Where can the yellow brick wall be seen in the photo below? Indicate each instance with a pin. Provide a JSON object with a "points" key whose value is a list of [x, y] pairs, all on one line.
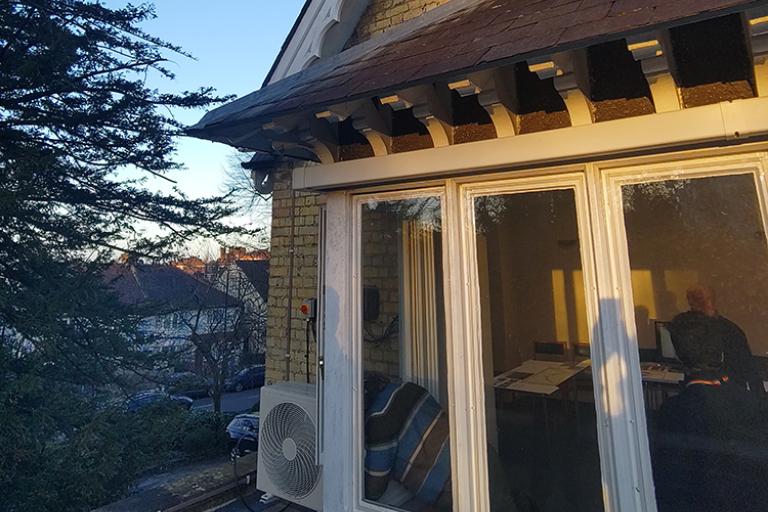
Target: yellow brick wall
{"points": [[380, 269], [381, 15], [304, 279]]}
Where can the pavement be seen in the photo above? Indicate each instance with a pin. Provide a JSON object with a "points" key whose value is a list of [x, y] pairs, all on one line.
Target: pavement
{"points": [[231, 402]]}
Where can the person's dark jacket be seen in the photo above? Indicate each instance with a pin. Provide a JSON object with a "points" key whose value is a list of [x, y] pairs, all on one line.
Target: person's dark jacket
{"points": [[713, 346]]}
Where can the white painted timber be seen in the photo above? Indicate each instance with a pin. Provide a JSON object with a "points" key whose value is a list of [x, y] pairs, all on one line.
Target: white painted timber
{"points": [[338, 383], [649, 50], [432, 110], [368, 121], [493, 95], [569, 73], [710, 124], [322, 32]]}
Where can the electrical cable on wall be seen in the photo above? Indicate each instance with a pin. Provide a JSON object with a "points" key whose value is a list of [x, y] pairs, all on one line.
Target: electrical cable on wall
{"points": [[391, 330], [309, 310], [308, 331], [289, 306]]}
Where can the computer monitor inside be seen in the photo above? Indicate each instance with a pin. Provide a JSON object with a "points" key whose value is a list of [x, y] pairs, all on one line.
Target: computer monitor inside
{"points": [[664, 344]]}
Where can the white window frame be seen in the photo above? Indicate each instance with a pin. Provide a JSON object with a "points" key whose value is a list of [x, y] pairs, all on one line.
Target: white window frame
{"points": [[617, 277], [358, 427], [623, 440], [566, 180]]}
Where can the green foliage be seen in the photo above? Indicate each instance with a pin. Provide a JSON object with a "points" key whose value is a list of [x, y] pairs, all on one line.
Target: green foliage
{"points": [[59, 450], [203, 434], [75, 113], [63, 453]]}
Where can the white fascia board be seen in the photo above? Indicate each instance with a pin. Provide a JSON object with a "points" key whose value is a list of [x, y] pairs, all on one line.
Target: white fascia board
{"points": [[721, 122], [308, 42]]}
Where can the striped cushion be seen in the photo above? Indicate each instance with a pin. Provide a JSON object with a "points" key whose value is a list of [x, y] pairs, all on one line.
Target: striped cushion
{"points": [[407, 440]]}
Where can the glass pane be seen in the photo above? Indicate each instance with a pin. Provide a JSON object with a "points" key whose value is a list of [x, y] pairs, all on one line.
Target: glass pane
{"points": [[699, 267], [407, 450], [540, 407]]}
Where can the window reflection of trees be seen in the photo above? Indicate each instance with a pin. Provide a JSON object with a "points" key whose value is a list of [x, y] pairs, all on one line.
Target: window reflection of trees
{"points": [[425, 210], [490, 211]]}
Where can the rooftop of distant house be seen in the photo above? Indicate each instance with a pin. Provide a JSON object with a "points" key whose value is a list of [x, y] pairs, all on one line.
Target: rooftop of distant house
{"points": [[257, 272], [163, 287]]}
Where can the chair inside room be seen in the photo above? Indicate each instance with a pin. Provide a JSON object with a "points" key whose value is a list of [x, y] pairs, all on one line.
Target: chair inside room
{"points": [[556, 351]]}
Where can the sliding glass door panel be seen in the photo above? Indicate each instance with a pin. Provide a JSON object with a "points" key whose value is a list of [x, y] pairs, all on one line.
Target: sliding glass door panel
{"points": [[696, 259], [406, 429], [536, 319]]}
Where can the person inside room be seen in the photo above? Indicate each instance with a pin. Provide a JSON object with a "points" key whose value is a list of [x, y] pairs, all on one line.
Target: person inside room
{"points": [[712, 347], [712, 438]]}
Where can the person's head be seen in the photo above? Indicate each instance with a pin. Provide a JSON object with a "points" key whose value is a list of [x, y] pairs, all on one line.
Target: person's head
{"points": [[702, 299]]}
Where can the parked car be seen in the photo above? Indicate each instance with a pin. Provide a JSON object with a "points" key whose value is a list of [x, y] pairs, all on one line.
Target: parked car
{"points": [[247, 378], [156, 398], [243, 432], [188, 384]]}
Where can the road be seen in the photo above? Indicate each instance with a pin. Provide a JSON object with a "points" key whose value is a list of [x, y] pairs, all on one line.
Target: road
{"points": [[231, 402]]}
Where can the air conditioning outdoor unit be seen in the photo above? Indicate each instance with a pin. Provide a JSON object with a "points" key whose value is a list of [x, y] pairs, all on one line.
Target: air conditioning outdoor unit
{"points": [[287, 465]]}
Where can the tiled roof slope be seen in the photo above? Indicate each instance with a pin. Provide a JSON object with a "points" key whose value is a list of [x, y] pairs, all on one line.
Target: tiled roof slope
{"points": [[459, 36], [163, 287], [257, 272]]}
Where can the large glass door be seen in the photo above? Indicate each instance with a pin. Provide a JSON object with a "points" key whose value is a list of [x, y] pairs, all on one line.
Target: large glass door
{"points": [[530, 258], [585, 341], [692, 261]]}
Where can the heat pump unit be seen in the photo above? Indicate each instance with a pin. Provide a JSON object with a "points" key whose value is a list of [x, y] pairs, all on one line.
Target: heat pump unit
{"points": [[288, 465]]}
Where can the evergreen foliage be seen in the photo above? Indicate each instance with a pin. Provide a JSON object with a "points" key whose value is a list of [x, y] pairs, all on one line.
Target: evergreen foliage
{"points": [[76, 117]]}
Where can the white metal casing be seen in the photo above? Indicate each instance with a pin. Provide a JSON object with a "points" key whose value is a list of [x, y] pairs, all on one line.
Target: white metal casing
{"points": [[287, 466]]}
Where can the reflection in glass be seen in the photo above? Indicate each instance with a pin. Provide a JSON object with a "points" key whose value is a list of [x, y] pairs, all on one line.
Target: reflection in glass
{"points": [[407, 450], [540, 409], [699, 267]]}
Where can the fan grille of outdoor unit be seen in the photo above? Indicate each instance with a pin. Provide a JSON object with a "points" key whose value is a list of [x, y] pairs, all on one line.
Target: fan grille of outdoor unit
{"points": [[288, 450]]}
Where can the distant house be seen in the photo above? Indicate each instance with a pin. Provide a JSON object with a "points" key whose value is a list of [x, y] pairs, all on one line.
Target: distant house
{"points": [[247, 281], [241, 274], [175, 305]]}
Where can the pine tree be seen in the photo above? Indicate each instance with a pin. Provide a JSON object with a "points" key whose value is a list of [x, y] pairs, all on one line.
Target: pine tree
{"points": [[75, 112]]}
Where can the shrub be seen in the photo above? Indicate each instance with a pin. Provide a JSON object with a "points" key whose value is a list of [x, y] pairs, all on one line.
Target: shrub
{"points": [[203, 434]]}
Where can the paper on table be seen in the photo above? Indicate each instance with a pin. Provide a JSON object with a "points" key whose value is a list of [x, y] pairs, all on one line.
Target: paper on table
{"points": [[551, 376], [539, 389], [507, 378]]}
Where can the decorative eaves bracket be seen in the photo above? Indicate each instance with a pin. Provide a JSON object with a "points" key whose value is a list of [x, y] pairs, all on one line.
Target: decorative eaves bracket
{"points": [[304, 132], [494, 94], [570, 79], [317, 135], [652, 51], [429, 108], [366, 119]]}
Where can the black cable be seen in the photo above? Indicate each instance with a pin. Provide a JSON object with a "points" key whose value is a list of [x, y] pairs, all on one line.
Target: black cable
{"points": [[235, 456], [306, 354], [391, 330]]}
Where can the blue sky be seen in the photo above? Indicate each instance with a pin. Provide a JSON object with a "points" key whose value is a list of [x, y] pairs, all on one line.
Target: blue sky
{"points": [[234, 43]]}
